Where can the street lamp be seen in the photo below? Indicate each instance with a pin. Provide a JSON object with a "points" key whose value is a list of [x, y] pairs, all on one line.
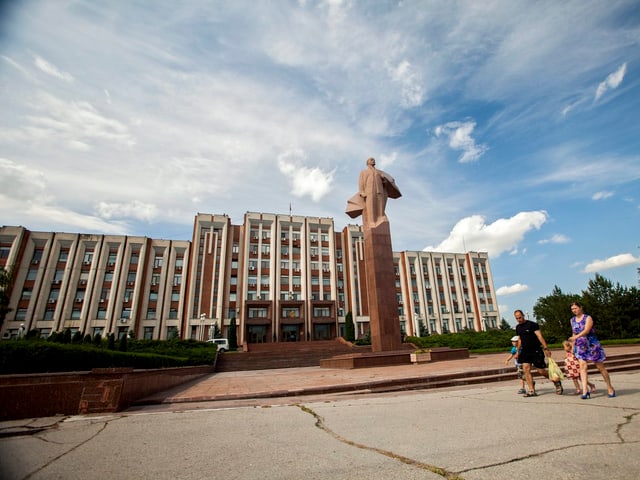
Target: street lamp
{"points": [[203, 317]]}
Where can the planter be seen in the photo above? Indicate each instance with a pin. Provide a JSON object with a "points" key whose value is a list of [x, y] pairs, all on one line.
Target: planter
{"points": [[420, 357]]}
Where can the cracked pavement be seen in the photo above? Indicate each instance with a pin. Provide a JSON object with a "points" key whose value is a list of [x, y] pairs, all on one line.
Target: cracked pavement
{"points": [[472, 433]]}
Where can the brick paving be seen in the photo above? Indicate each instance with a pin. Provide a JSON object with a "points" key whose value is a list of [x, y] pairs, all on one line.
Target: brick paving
{"points": [[289, 382]]}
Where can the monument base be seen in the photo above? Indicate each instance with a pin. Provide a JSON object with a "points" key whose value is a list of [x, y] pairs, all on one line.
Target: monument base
{"points": [[367, 360]]}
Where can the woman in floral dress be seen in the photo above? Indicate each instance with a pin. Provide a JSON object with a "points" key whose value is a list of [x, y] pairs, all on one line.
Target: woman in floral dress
{"points": [[587, 348]]}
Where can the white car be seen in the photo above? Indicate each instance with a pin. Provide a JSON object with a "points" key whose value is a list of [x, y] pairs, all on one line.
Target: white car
{"points": [[222, 343]]}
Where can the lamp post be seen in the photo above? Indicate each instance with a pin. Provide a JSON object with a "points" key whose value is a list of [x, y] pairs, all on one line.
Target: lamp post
{"points": [[203, 317]]}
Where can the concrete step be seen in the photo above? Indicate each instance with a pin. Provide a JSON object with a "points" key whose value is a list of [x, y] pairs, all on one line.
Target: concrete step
{"points": [[284, 355]]}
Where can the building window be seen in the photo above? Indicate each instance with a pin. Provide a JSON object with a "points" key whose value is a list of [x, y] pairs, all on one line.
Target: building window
{"points": [[102, 313], [291, 312], [151, 313], [157, 261], [173, 313], [148, 333], [321, 312], [21, 314], [75, 314], [258, 312], [48, 314], [37, 256], [172, 332]]}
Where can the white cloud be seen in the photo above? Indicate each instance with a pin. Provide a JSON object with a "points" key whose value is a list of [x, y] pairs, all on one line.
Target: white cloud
{"points": [[52, 70], [556, 238], [459, 138], [305, 181], [601, 195], [612, 81], [135, 209], [616, 261], [20, 182], [512, 289], [473, 234], [409, 78], [72, 123]]}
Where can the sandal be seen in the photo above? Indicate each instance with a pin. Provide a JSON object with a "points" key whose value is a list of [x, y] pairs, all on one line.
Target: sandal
{"points": [[559, 389], [530, 394]]}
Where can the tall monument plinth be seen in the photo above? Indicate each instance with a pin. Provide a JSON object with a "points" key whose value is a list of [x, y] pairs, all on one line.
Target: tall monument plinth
{"points": [[374, 187], [384, 323]]}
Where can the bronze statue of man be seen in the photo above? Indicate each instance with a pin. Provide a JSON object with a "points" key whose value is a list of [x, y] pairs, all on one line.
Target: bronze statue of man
{"points": [[374, 187]]}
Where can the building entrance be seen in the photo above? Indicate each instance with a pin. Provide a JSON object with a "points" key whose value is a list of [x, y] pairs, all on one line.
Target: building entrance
{"points": [[257, 333], [290, 333], [322, 331]]}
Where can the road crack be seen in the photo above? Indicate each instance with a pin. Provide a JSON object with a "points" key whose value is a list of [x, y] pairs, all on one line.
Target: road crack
{"points": [[401, 458]]}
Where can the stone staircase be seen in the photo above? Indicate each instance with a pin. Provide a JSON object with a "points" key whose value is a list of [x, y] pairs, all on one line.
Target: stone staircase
{"points": [[264, 356]]}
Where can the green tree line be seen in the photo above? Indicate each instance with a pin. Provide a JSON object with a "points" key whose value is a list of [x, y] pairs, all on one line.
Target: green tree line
{"points": [[615, 310]]}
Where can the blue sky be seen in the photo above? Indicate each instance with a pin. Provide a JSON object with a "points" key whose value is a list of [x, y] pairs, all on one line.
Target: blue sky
{"points": [[510, 126]]}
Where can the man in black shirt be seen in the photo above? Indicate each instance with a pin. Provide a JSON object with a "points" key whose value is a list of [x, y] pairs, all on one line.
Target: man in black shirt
{"points": [[532, 350]]}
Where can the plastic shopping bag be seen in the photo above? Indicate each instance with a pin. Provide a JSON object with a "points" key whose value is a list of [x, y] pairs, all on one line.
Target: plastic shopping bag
{"points": [[555, 373]]}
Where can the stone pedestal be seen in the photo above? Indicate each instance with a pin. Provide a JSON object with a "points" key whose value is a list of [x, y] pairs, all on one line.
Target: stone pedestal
{"points": [[381, 289]]}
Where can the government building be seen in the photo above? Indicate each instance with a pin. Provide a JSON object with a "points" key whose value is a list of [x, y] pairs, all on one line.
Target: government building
{"points": [[278, 278]]}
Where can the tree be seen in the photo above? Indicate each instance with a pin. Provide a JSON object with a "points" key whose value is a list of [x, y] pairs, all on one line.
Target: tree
{"points": [[122, 346], [233, 336], [6, 285], [614, 308], [423, 331], [217, 333], [349, 328], [553, 314], [504, 325]]}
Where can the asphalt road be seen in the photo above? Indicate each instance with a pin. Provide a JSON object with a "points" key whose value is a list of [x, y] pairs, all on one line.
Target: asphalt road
{"points": [[479, 432]]}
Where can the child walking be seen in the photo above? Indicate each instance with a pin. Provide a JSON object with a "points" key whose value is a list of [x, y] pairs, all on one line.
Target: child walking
{"points": [[572, 368], [512, 356]]}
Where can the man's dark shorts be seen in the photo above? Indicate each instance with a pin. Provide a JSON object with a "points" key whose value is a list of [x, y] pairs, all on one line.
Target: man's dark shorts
{"points": [[535, 358]]}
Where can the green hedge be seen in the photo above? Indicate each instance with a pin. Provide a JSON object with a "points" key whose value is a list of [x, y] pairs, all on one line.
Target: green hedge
{"points": [[41, 357], [496, 340], [486, 342]]}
